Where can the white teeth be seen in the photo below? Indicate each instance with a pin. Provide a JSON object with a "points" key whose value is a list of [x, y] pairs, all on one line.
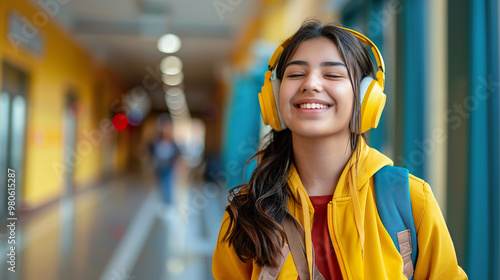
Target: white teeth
{"points": [[313, 106]]}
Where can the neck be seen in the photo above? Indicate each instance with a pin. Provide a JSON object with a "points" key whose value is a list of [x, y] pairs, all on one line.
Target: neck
{"points": [[320, 161]]}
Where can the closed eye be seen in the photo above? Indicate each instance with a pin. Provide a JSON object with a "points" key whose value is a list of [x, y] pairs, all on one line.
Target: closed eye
{"points": [[295, 75]]}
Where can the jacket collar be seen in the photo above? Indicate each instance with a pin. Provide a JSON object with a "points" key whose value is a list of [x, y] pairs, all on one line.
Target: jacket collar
{"points": [[369, 162]]}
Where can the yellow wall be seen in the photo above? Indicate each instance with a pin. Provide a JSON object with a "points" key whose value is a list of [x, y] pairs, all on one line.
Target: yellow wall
{"points": [[63, 65]]}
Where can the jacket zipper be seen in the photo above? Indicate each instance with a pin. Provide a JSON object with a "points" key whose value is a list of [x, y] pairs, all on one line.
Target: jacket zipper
{"points": [[334, 240]]}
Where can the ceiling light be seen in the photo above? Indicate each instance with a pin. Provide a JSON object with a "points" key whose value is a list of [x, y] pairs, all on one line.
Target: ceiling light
{"points": [[171, 65], [173, 80], [177, 99], [175, 91], [169, 43]]}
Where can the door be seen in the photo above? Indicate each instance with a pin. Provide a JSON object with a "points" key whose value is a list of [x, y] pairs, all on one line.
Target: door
{"points": [[13, 96]]}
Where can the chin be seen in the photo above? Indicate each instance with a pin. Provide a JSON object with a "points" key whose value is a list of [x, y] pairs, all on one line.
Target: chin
{"points": [[316, 130]]}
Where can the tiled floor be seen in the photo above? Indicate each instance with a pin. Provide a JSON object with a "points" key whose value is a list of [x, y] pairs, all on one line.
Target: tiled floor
{"points": [[120, 231]]}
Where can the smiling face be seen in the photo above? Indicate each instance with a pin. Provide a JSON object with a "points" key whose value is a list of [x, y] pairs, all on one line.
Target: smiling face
{"points": [[316, 95]]}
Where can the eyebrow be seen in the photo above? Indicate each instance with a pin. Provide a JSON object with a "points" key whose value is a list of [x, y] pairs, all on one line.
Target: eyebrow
{"points": [[323, 64]]}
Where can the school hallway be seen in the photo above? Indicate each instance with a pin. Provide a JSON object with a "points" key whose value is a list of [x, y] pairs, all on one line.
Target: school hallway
{"points": [[120, 230], [96, 96]]}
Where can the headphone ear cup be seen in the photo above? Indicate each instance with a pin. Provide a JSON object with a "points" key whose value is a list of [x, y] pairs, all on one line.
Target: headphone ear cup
{"points": [[267, 101], [276, 84], [372, 100], [363, 87]]}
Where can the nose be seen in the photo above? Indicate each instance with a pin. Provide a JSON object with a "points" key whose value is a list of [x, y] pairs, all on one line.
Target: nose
{"points": [[312, 83]]}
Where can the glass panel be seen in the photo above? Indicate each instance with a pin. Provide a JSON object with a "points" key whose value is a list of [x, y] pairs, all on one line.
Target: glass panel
{"points": [[4, 128], [17, 140], [4, 132], [18, 123]]}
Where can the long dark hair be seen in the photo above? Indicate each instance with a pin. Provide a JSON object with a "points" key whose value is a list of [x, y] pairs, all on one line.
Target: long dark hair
{"points": [[258, 207]]}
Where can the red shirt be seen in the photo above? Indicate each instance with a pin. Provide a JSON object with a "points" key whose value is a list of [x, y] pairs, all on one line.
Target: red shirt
{"points": [[324, 254]]}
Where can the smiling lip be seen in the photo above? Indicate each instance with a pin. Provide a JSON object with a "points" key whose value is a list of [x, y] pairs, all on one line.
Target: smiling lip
{"points": [[312, 105]]}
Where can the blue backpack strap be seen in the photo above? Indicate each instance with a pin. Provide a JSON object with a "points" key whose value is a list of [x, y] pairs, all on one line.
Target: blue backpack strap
{"points": [[392, 194]]}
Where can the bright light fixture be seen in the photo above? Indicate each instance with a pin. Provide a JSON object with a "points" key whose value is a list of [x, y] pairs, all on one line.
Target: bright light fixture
{"points": [[175, 91], [171, 65], [173, 80], [169, 43]]}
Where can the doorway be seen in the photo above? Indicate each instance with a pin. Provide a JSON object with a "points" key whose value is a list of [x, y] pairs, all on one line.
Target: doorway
{"points": [[13, 96]]}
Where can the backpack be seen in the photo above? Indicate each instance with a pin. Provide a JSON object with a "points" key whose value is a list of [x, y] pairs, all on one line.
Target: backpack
{"points": [[392, 196]]}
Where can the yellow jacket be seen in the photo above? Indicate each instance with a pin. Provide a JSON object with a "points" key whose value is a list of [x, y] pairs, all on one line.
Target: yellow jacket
{"points": [[380, 258]]}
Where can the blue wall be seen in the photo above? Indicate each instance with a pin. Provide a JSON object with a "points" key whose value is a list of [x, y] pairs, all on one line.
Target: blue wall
{"points": [[483, 238], [241, 129]]}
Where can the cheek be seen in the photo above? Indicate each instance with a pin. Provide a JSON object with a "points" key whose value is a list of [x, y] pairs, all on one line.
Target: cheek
{"points": [[344, 98], [285, 96], [343, 95]]}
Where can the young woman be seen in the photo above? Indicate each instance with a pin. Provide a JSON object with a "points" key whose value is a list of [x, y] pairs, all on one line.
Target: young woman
{"points": [[314, 181]]}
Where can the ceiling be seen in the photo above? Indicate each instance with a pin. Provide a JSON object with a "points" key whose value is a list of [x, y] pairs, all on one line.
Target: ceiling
{"points": [[124, 33]]}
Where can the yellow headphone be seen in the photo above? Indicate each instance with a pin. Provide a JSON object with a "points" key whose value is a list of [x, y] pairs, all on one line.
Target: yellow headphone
{"points": [[371, 91]]}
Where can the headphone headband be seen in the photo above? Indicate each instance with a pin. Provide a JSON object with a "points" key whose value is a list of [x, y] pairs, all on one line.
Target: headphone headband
{"points": [[371, 90], [378, 56]]}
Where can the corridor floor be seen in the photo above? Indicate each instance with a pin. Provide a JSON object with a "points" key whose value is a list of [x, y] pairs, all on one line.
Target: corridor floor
{"points": [[120, 230]]}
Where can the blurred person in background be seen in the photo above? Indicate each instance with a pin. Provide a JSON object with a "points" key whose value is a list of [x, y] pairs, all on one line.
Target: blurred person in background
{"points": [[314, 183], [164, 154]]}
